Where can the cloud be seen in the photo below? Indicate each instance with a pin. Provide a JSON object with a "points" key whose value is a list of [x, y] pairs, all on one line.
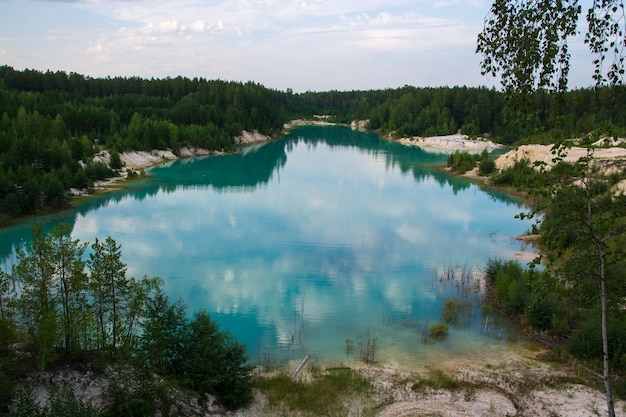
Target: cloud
{"points": [[300, 44]]}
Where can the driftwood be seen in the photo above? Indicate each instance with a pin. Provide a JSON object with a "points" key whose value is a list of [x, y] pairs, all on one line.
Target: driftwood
{"points": [[299, 368]]}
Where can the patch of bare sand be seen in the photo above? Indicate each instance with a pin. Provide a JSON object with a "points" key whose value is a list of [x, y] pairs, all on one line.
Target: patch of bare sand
{"points": [[142, 159], [518, 386], [247, 138], [610, 158], [448, 143], [305, 122], [515, 384]]}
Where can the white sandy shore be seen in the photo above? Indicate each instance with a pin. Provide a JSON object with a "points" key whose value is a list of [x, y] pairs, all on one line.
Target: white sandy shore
{"points": [[137, 160], [306, 122], [450, 143]]}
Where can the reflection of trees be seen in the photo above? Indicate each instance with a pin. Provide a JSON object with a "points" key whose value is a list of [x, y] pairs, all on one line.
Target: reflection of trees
{"points": [[19, 235], [254, 167]]}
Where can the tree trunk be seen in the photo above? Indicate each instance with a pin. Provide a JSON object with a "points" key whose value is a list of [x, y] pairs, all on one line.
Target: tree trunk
{"points": [[605, 339]]}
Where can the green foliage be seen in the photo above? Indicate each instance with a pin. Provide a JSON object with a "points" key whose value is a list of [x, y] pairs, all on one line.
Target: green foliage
{"points": [[462, 161], [213, 362], [109, 289], [520, 176], [7, 312], [486, 166], [137, 393], [161, 342], [586, 342], [526, 295], [438, 331], [524, 42], [583, 233], [325, 393], [541, 311], [68, 307], [114, 160], [7, 386], [24, 404], [457, 311], [61, 402], [437, 380], [45, 132]]}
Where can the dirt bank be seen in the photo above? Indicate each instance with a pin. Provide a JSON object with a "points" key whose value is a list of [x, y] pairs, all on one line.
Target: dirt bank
{"points": [[612, 159]]}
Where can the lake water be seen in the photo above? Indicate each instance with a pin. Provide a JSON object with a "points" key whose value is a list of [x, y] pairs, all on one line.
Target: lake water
{"points": [[297, 245]]}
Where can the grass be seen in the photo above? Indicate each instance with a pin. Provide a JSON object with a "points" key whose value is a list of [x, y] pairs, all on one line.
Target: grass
{"points": [[437, 380], [326, 393]]}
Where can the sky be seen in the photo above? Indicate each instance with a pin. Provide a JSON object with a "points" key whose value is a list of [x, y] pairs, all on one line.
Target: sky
{"points": [[303, 45]]}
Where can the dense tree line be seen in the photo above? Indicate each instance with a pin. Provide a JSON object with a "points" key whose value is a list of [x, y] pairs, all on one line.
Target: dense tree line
{"points": [[58, 304], [52, 124]]}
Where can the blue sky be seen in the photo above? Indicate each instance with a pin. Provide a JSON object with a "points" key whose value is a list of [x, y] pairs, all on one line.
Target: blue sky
{"points": [[306, 45]]}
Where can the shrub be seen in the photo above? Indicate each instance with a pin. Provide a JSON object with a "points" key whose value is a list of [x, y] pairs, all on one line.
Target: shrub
{"points": [[586, 343], [461, 161], [520, 175], [200, 355], [213, 362], [438, 330], [486, 167], [115, 162], [541, 311], [61, 402], [507, 284], [136, 393], [457, 311]]}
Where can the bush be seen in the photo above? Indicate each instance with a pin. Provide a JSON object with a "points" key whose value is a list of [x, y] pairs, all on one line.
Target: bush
{"points": [[486, 167], [438, 330], [197, 353], [541, 311], [586, 343], [136, 393], [510, 288], [61, 402], [461, 161], [457, 311], [115, 162], [7, 384], [546, 310], [213, 362], [521, 175]]}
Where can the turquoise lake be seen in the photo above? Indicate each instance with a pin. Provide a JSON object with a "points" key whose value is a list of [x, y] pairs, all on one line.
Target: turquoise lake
{"points": [[299, 244]]}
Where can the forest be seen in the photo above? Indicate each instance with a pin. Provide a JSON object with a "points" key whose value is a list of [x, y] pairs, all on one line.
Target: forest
{"points": [[53, 123], [86, 311]]}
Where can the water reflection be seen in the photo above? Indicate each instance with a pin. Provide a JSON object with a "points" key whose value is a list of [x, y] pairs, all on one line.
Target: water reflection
{"points": [[299, 244]]}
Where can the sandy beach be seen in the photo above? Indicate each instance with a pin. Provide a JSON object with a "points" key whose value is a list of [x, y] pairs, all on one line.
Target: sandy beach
{"points": [[450, 143]]}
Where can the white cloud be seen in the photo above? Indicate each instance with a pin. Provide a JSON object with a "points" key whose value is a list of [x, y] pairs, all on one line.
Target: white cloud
{"points": [[169, 26], [300, 44]]}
